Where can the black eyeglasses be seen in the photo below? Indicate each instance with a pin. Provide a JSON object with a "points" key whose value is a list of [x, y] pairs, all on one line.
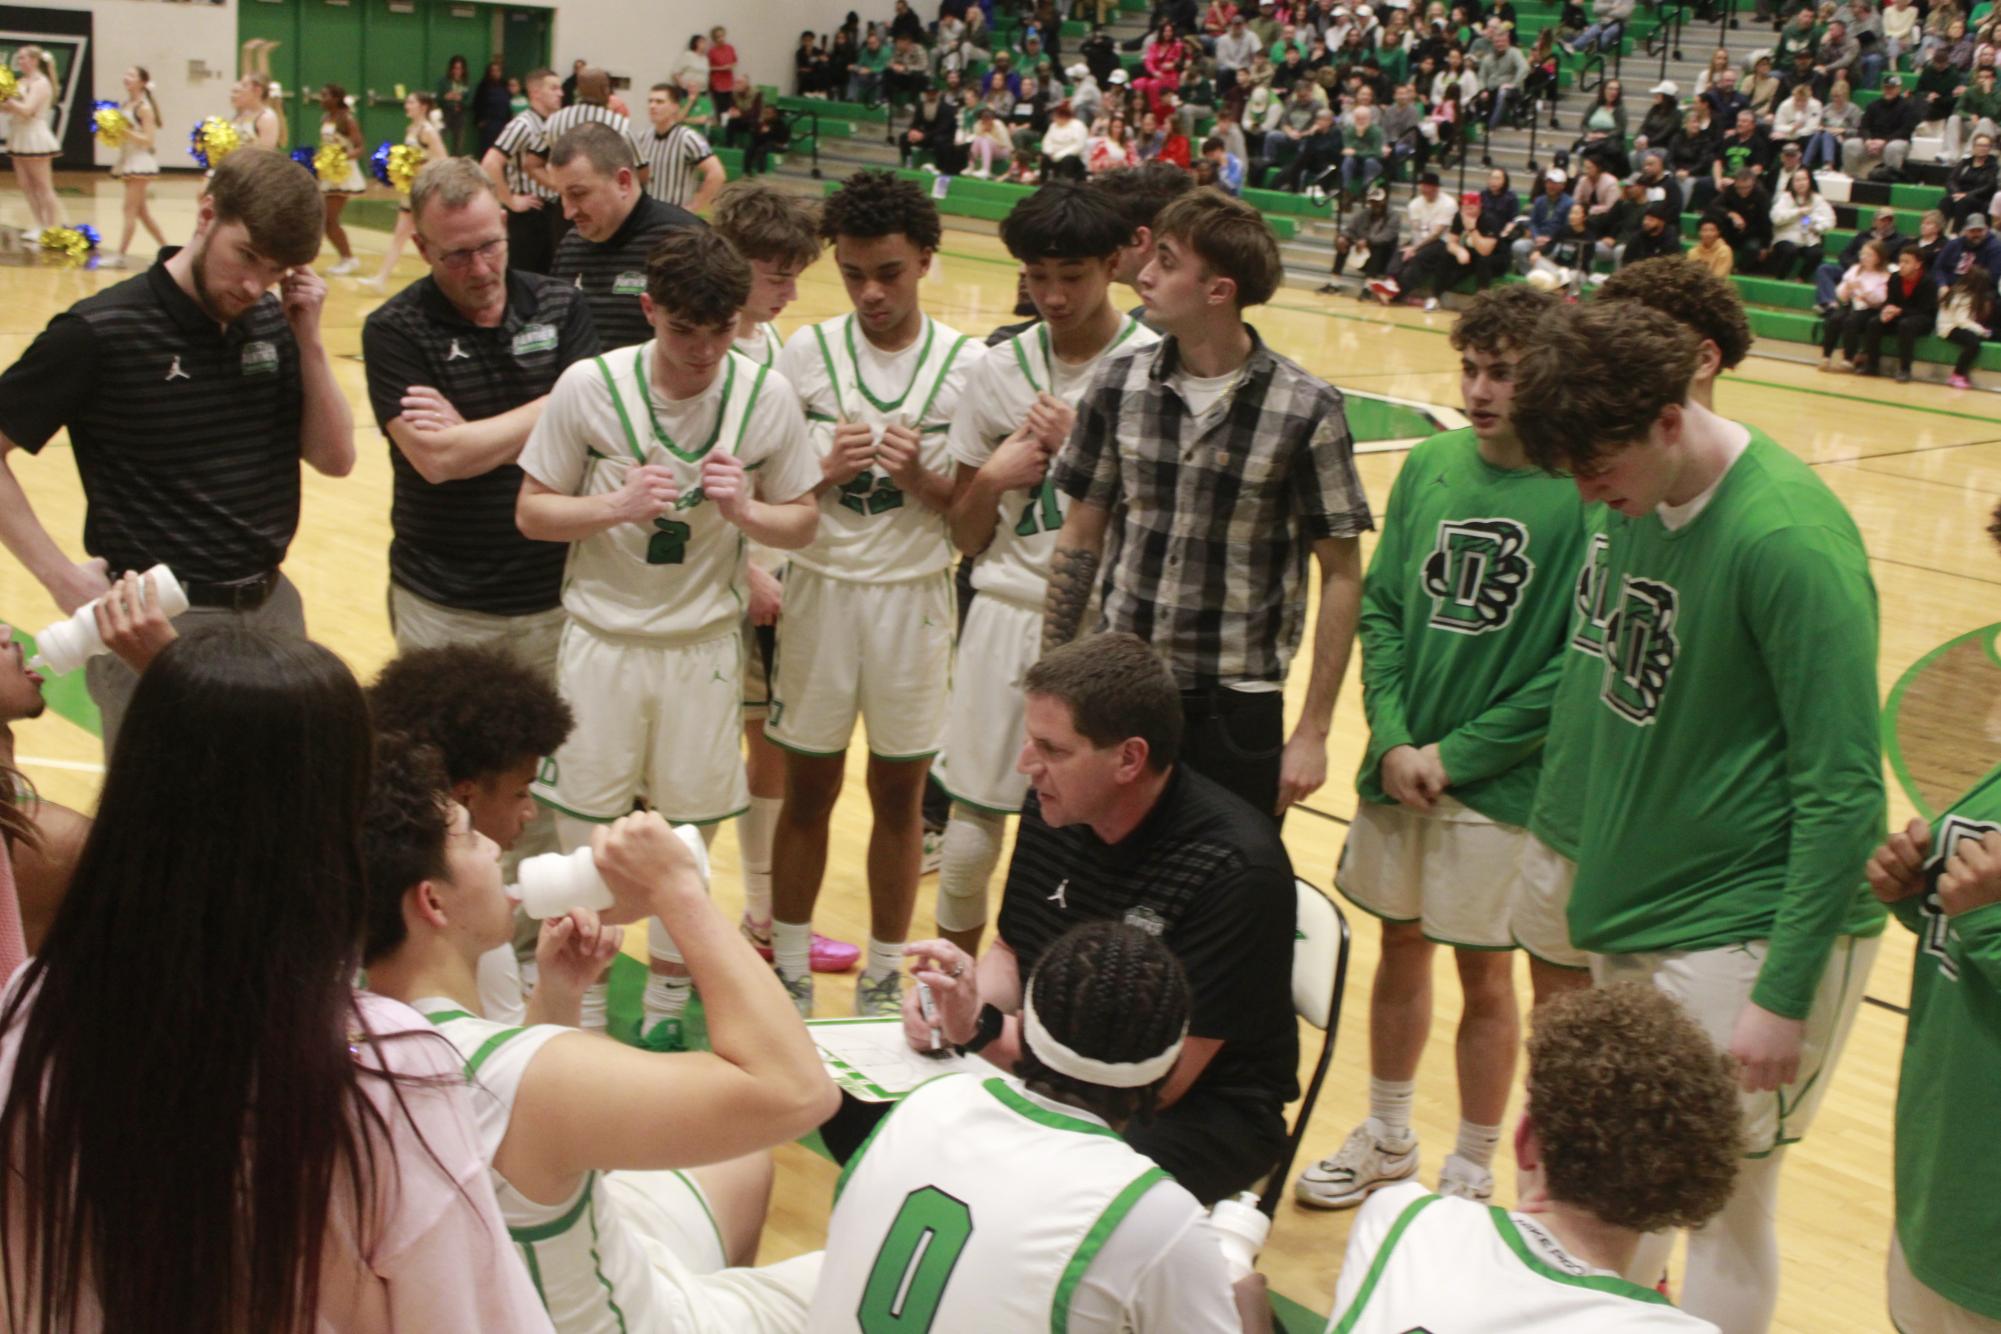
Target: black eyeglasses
{"points": [[463, 259]]}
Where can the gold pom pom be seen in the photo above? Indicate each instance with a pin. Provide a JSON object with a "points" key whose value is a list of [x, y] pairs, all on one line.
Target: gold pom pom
{"points": [[404, 163], [68, 242], [218, 139], [9, 84], [111, 126], [331, 163]]}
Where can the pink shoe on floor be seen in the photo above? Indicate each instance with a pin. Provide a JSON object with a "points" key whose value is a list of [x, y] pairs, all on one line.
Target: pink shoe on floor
{"points": [[828, 955], [1959, 382]]}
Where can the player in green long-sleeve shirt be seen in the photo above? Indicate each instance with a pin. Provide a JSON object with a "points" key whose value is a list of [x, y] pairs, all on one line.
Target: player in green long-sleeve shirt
{"points": [[1943, 881], [1464, 612], [1734, 773], [1710, 308]]}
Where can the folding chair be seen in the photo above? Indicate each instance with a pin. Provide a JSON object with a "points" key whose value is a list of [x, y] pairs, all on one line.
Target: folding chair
{"points": [[1319, 976]]}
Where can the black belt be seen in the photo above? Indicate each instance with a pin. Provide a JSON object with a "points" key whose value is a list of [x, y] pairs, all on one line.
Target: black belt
{"points": [[236, 595]]}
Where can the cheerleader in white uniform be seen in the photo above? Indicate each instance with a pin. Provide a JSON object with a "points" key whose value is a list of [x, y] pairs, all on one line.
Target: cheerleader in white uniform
{"points": [[32, 144], [425, 132], [257, 121], [138, 165], [337, 125]]}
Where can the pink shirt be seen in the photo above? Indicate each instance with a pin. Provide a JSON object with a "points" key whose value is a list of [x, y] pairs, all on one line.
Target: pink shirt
{"points": [[441, 1258]]}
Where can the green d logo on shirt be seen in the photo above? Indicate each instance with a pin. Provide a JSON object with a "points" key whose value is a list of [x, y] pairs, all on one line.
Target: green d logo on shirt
{"points": [[260, 358], [629, 283], [1640, 649], [1476, 574], [535, 338]]}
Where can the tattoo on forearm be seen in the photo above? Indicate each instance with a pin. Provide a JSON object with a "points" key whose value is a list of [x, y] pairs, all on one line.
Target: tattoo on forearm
{"points": [[1071, 575]]}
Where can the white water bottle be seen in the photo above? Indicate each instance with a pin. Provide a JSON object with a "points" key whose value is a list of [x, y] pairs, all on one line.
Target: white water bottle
{"points": [[1241, 1229], [556, 882], [66, 645]]}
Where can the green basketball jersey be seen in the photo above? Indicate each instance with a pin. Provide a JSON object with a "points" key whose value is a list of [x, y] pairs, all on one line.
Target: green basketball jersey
{"points": [[1463, 615], [1948, 1188], [1559, 792], [1732, 787]]}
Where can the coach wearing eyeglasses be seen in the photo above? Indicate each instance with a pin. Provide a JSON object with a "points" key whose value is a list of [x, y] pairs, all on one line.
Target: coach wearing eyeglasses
{"points": [[459, 365]]}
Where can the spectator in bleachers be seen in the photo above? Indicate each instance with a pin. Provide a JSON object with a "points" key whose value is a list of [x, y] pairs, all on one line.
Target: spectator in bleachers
{"points": [[1606, 29], [1594, 188], [1976, 246], [1743, 215], [1621, 219], [1456, 70], [934, 129], [1910, 309], [1900, 29], [1546, 214], [1658, 181], [1440, 127], [1235, 52], [722, 73], [1503, 71], [489, 106], [1318, 158], [1293, 123], [1663, 118], [1885, 132], [809, 65], [1834, 57], [1431, 214], [1764, 88], [1979, 109], [907, 73], [1692, 150], [1713, 72], [1031, 117], [1796, 120], [988, 142], [1372, 228], [1965, 319], [1932, 236], [1362, 153], [842, 52], [1605, 129], [1724, 98], [1566, 260], [1826, 278], [1970, 188], [1710, 250], [1798, 34], [1858, 297], [1801, 220], [1840, 119], [1659, 235], [1799, 72], [1867, 30], [1745, 146], [865, 75], [905, 23], [1111, 149], [1227, 168], [1064, 144]]}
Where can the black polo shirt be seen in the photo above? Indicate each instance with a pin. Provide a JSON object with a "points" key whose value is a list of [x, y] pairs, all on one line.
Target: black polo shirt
{"points": [[612, 274], [186, 433], [456, 542], [1208, 874]]}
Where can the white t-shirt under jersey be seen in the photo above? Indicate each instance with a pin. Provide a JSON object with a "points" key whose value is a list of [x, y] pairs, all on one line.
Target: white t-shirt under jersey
{"points": [[870, 532], [999, 393], [979, 1205], [681, 578], [1422, 1261], [762, 344]]}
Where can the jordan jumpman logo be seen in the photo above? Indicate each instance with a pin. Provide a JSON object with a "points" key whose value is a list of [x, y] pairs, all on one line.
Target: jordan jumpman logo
{"points": [[1061, 897], [174, 372]]}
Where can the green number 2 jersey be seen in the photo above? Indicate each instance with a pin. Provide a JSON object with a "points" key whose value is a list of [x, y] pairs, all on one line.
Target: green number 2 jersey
{"points": [[1948, 1181], [1732, 783], [1463, 614]]}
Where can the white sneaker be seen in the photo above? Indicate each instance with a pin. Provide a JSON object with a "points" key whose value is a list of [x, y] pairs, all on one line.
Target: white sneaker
{"points": [[115, 260], [372, 284], [345, 267], [1363, 1164], [1430, 304], [1458, 1177]]}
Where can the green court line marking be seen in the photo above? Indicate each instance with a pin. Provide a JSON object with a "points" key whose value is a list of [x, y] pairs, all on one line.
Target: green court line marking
{"points": [[66, 694], [1893, 749], [1987, 418]]}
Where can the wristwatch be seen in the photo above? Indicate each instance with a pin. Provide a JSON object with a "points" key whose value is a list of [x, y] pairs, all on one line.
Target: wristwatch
{"points": [[989, 1027]]}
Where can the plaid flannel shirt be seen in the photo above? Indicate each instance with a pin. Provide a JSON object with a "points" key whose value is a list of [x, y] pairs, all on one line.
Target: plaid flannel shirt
{"points": [[1213, 518]]}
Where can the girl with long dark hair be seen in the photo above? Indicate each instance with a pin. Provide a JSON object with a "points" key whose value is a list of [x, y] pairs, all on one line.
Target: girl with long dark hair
{"points": [[207, 1128]]}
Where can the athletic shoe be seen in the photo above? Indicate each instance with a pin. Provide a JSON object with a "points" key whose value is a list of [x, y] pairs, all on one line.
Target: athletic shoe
{"points": [[1329, 289], [665, 1036], [800, 989], [345, 267], [934, 851], [1430, 304], [1458, 1177], [880, 999], [114, 260], [1363, 1164], [828, 955], [377, 285], [1959, 382], [1903, 376], [1384, 290]]}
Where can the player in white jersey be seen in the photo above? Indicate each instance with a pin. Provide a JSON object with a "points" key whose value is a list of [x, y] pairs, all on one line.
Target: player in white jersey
{"points": [[1017, 412], [1632, 1125], [868, 606], [657, 463], [492, 719], [778, 234], [996, 1203], [591, 1144]]}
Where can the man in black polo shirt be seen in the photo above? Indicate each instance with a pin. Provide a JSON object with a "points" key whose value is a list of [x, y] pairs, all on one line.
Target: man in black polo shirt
{"points": [[191, 392], [1113, 828], [616, 225], [459, 366]]}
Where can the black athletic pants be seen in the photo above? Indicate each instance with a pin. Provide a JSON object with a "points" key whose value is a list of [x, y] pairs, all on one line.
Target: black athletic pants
{"points": [[1236, 738]]}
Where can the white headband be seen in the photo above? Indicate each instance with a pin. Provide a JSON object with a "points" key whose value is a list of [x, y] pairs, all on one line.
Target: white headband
{"points": [[1110, 1074]]}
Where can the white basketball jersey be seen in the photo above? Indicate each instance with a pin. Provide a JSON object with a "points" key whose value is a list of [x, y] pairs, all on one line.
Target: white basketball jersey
{"points": [[999, 393], [870, 531], [1422, 1261], [595, 1271], [679, 579], [762, 344], [977, 1206]]}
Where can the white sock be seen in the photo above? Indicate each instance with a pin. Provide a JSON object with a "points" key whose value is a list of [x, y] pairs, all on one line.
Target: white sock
{"points": [[1477, 1143], [666, 997], [884, 958], [754, 831], [966, 865], [792, 949], [1389, 1107], [597, 999]]}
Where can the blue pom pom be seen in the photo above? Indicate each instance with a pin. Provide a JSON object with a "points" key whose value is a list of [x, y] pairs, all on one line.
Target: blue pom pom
{"points": [[304, 157], [90, 234], [195, 149], [102, 105], [378, 161]]}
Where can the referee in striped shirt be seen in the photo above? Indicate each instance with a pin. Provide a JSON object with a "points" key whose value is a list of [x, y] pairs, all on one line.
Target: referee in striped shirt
{"points": [[592, 107], [616, 227], [676, 164], [191, 393], [534, 224]]}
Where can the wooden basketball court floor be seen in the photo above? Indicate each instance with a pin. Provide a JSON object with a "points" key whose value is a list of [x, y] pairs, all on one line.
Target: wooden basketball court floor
{"points": [[1919, 467]]}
